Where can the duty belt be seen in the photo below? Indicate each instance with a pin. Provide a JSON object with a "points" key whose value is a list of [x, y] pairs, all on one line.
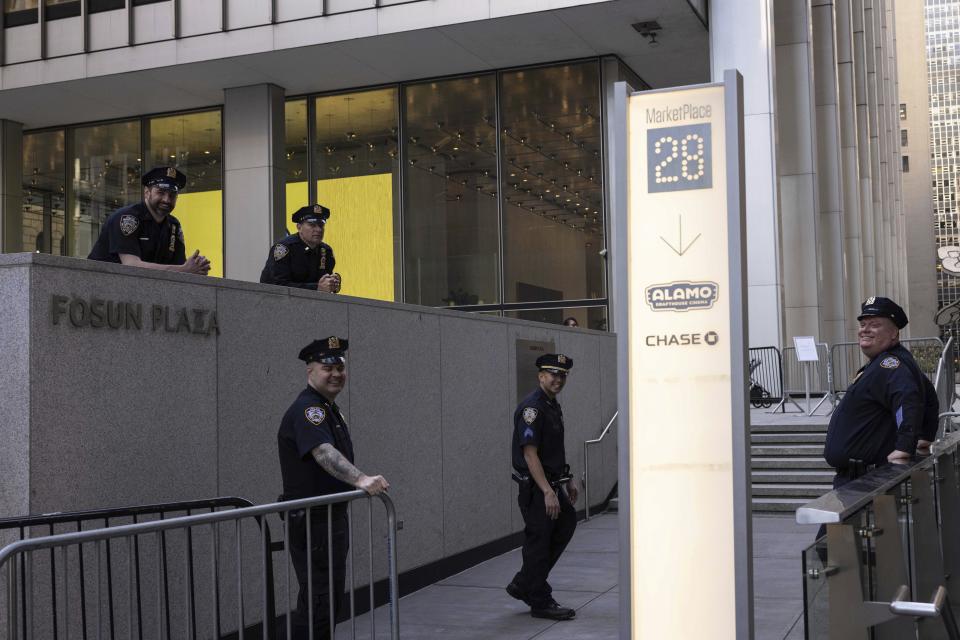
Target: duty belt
{"points": [[855, 468], [524, 479]]}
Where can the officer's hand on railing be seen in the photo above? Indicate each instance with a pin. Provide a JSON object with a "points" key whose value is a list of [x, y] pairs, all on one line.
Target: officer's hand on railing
{"points": [[923, 444], [898, 457], [197, 264], [327, 283], [373, 484], [573, 491], [552, 504], [336, 283]]}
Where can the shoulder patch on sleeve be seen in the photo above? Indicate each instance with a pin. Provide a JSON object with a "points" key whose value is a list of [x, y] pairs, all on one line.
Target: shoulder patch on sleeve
{"points": [[129, 224], [529, 415], [315, 415], [280, 251], [890, 363]]}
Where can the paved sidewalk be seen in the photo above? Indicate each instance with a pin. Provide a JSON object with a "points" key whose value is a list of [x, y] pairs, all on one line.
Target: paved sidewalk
{"points": [[473, 605]]}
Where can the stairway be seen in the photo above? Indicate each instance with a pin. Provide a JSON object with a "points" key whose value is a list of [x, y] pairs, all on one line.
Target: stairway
{"points": [[787, 466]]}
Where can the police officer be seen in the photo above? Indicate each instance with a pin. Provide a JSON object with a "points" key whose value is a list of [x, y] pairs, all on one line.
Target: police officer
{"points": [[302, 259], [146, 234], [881, 416], [316, 458], [540, 468]]}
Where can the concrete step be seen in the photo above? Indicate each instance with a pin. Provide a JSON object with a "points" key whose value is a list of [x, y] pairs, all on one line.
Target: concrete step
{"points": [[792, 476], [780, 450], [778, 505], [789, 463], [787, 438], [809, 491], [789, 428]]}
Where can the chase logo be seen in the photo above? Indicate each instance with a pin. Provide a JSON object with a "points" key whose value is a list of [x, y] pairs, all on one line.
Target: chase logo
{"points": [[679, 158], [682, 296]]}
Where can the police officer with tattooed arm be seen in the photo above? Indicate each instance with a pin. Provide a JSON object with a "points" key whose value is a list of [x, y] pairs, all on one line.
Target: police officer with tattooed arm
{"points": [[303, 259], [146, 234], [316, 459], [547, 489], [884, 411]]}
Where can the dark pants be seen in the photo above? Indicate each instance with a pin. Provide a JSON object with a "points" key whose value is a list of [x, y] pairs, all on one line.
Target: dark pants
{"points": [[320, 572], [544, 541]]}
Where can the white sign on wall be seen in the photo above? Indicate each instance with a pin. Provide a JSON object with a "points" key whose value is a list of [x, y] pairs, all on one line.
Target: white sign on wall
{"points": [[688, 507]]}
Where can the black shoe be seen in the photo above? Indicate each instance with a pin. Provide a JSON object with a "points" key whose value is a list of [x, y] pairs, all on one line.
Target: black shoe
{"points": [[552, 611], [514, 591]]}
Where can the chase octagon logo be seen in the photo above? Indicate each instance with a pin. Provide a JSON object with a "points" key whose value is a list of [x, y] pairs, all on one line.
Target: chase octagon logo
{"points": [[682, 296]]}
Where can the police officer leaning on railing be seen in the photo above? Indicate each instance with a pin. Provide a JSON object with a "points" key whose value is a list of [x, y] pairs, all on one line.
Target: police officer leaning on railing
{"points": [[887, 408], [316, 459]]}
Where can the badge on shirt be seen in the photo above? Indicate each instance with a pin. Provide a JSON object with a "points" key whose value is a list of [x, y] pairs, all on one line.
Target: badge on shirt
{"points": [[315, 415], [129, 224], [529, 415], [280, 252], [323, 258], [890, 363], [173, 237]]}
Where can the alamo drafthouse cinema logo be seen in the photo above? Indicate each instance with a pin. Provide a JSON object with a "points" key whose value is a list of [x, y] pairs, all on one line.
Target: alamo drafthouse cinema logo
{"points": [[682, 296]]}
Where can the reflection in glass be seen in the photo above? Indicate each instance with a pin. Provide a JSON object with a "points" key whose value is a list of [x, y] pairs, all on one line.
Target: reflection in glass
{"points": [[586, 317], [43, 193], [9, 6], [192, 143], [451, 233], [553, 175], [296, 160], [105, 170], [355, 165]]}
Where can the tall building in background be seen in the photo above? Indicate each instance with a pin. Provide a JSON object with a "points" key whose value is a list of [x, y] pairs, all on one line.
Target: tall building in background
{"points": [[914, 147], [943, 55]]}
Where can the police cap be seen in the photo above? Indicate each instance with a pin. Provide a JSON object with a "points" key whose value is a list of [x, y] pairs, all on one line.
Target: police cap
{"points": [[317, 213], [876, 306], [164, 178], [330, 350], [555, 363]]}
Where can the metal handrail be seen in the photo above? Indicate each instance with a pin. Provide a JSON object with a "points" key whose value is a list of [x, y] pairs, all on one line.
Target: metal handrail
{"points": [[938, 606], [586, 464], [185, 522], [839, 504]]}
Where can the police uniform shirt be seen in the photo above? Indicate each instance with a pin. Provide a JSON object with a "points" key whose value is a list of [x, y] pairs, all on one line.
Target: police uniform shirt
{"points": [[133, 230], [294, 264], [881, 411], [538, 420], [311, 421]]}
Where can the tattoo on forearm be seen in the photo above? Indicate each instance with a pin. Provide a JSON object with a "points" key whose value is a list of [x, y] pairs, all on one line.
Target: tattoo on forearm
{"points": [[335, 464]]}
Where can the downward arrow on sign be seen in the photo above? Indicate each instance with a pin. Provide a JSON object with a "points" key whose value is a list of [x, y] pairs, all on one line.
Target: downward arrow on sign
{"points": [[683, 249]]}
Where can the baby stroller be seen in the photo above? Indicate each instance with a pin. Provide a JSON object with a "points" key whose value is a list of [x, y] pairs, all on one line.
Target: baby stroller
{"points": [[759, 397]]}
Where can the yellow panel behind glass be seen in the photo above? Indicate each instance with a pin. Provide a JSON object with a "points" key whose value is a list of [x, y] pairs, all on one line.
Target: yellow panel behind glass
{"points": [[201, 215], [360, 230]]}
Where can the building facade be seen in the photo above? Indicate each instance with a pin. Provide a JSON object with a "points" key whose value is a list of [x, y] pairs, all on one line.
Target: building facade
{"points": [[462, 146]]}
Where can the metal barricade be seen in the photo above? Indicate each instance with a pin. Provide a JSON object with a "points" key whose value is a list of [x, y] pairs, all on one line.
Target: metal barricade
{"points": [[817, 381], [220, 578], [49, 524], [766, 376]]}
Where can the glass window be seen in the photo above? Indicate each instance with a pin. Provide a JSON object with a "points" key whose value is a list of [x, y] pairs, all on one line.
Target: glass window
{"points": [[43, 193], [905, 160], [9, 6], [451, 232], [585, 317], [193, 143], [356, 169], [553, 184], [105, 168], [903, 137], [297, 160], [903, 111]]}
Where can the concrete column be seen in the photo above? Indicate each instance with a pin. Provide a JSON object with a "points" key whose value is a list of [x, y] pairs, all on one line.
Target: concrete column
{"points": [[797, 152], [11, 186], [865, 165], [885, 139], [254, 198], [850, 169], [741, 38], [830, 234], [870, 29]]}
